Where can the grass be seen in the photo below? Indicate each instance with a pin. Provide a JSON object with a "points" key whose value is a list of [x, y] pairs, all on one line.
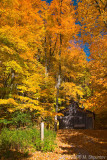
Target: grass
{"points": [[26, 140]]}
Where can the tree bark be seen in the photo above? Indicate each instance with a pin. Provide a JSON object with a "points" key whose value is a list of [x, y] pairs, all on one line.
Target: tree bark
{"points": [[59, 74]]}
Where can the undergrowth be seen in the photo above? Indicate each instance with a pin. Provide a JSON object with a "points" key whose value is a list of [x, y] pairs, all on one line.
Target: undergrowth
{"points": [[25, 140]]}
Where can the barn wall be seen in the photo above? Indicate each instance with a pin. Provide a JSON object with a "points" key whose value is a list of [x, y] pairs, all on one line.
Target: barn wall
{"points": [[77, 119]]}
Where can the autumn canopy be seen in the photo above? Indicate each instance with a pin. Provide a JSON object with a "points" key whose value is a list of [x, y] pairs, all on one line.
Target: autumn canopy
{"points": [[42, 63]]}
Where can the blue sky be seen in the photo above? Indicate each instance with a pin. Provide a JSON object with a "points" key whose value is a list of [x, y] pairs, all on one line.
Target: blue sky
{"points": [[86, 46], [75, 1]]}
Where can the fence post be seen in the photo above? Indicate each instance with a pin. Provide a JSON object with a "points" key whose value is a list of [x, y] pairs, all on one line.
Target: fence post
{"points": [[42, 131]]}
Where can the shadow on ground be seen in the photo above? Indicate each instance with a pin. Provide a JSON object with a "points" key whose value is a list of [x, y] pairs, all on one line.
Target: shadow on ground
{"points": [[84, 142], [13, 155]]}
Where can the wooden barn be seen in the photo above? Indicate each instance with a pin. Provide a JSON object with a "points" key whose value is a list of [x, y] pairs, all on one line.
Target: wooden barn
{"points": [[76, 118]]}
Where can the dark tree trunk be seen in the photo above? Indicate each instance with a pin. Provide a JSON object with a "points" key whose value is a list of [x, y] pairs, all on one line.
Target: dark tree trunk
{"points": [[59, 74]]}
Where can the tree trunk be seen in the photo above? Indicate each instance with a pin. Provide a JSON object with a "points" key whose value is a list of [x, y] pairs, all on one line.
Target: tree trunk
{"points": [[46, 61], [59, 74]]}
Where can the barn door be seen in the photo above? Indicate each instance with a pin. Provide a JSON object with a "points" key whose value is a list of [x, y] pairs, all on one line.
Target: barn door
{"points": [[79, 121], [89, 123]]}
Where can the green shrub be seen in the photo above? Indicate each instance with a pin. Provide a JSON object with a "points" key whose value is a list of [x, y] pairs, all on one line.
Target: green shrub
{"points": [[18, 119], [5, 139], [26, 139], [21, 119]]}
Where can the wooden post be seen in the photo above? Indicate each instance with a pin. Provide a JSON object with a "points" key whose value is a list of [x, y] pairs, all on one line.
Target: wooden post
{"points": [[42, 131]]}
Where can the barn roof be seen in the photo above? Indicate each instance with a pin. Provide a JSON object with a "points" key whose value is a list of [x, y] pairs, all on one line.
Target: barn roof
{"points": [[76, 107]]}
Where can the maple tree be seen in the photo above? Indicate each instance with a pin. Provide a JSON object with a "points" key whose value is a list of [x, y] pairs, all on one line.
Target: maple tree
{"points": [[19, 44], [98, 81], [60, 28], [92, 16], [41, 66]]}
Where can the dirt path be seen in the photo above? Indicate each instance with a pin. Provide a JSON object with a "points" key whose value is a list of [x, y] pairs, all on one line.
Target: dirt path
{"points": [[85, 144], [77, 145]]}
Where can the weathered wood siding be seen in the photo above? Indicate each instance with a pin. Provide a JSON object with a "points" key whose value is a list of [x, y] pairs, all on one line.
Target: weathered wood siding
{"points": [[76, 117]]}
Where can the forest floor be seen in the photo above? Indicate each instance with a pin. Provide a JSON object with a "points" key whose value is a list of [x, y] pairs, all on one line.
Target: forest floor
{"points": [[75, 145]]}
